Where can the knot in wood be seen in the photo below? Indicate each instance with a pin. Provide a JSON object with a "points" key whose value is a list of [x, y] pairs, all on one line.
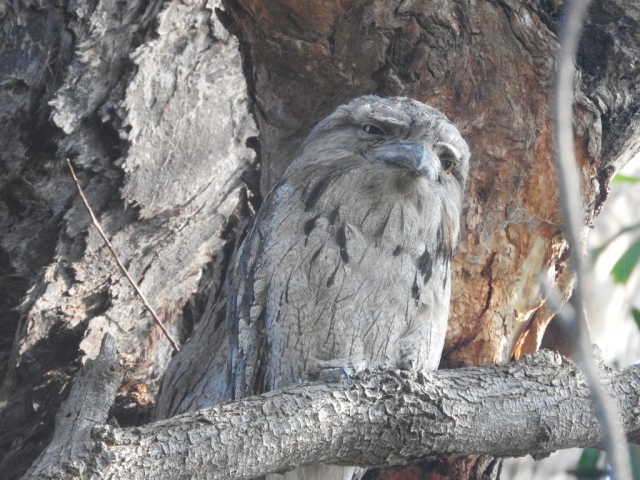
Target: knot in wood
{"points": [[104, 433], [543, 437]]}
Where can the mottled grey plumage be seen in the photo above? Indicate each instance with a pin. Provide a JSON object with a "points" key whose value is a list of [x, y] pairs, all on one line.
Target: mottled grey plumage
{"points": [[348, 261]]}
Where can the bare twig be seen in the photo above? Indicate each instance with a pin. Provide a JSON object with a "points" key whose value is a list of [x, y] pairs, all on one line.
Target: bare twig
{"points": [[569, 185], [119, 263]]}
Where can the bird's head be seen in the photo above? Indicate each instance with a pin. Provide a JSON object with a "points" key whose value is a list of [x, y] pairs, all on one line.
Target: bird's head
{"points": [[395, 133]]}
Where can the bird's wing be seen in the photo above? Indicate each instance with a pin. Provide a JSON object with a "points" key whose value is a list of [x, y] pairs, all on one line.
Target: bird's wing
{"points": [[246, 308]]}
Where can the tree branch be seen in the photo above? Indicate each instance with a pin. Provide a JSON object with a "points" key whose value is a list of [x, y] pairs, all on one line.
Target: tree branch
{"points": [[381, 418]]}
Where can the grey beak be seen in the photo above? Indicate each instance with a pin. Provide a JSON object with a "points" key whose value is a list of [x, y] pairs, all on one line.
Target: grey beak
{"points": [[413, 156]]}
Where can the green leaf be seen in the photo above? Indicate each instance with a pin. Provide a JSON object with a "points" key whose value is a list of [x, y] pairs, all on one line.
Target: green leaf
{"points": [[634, 455], [635, 313], [595, 253], [587, 468], [621, 271], [622, 178], [589, 458]]}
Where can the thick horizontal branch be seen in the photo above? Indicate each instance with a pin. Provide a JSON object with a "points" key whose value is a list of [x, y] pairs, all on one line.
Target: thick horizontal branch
{"points": [[537, 405]]}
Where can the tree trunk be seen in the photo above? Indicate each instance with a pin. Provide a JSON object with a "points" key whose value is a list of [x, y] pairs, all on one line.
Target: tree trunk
{"points": [[158, 106]]}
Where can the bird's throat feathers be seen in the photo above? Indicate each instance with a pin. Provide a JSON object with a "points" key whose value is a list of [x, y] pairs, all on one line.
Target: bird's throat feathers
{"points": [[393, 206]]}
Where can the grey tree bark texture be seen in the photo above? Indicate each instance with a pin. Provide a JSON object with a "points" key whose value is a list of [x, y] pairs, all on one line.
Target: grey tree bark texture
{"points": [[156, 103], [378, 418]]}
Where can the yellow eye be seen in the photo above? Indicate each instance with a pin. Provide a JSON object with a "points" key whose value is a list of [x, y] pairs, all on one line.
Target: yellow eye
{"points": [[447, 165], [449, 156], [372, 129]]}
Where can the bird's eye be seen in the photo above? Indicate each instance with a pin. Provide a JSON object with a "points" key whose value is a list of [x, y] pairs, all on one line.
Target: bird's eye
{"points": [[449, 156], [447, 165], [372, 129]]}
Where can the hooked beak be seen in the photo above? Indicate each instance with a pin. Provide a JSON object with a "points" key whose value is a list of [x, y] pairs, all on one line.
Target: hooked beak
{"points": [[413, 156]]}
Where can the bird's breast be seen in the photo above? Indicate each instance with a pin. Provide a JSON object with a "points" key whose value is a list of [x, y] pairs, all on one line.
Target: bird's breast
{"points": [[362, 278]]}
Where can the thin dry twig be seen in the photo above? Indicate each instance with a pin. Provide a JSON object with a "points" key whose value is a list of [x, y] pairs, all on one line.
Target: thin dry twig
{"points": [[575, 318], [122, 268]]}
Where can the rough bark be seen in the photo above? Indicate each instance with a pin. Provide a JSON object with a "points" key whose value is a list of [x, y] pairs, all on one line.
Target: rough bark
{"points": [[149, 100], [379, 418], [154, 117], [88, 405]]}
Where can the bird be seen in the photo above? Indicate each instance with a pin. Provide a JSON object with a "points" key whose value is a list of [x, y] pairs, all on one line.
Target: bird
{"points": [[347, 264]]}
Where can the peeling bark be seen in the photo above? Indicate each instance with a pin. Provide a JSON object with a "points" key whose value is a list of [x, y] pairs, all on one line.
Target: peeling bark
{"points": [[154, 118]]}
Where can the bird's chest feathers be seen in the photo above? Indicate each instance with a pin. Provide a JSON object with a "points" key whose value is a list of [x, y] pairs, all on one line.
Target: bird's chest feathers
{"points": [[396, 212], [365, 271], [366, 233]]}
